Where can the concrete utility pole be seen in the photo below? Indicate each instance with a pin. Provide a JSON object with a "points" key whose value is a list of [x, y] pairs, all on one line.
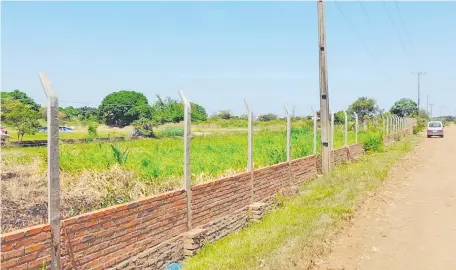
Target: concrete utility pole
{"points": [[419, 73], [427, 104], [430, 115], [324, 95]]}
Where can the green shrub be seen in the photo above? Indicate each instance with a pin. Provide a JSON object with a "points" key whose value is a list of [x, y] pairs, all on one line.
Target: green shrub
{"points": [[420, 125], [170, 132], [92, 129], [373, 142]]}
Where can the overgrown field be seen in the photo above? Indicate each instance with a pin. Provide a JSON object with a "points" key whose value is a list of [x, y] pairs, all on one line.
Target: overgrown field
{"points": [[95, 175]]}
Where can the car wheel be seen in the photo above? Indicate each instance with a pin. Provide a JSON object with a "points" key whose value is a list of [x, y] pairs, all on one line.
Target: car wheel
{"points": [[442, 136], [428, 136]]}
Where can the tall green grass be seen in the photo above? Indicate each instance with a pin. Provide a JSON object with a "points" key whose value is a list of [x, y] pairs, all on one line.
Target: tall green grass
{"points": [[161, 159]]}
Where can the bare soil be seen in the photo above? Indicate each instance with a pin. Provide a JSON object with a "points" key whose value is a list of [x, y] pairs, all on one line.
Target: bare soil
{"points": [[411, 222]]}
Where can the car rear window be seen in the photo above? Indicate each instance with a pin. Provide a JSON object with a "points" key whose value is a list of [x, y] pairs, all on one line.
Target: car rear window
{"points": [[435, 124]]}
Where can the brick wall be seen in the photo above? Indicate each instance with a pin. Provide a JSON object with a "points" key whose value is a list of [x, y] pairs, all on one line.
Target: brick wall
{"points": [[150, 232], [27, 248], [103, 238], [217, 198], [341, 155]]}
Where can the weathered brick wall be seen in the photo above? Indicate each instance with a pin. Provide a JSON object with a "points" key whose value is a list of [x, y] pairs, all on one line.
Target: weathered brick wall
{"points": [[220, 197], [27, 248], [269, 180], [356, 150], [102, 238], [303, 169], [171, 250], [109, 236], [341, 155]]}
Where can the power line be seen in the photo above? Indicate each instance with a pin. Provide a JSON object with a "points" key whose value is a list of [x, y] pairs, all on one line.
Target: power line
{"points": [[405, 28], [360, 39], [395, 28]]}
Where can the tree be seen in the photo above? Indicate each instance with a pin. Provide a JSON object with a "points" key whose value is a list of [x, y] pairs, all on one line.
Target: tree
{"points": [[339, 117], [223, 114], [88, 113], [404, 107], [198, 113], [120, 108], [23, 98], [267, 117], [364, 107], [22, 117], [71, 112]]}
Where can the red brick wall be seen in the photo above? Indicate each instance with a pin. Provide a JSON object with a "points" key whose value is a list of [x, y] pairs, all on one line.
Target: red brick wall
{"points": [[102, 238], [303, 169], [217, 198], [356, 150], [269, 180], [27, 248]]}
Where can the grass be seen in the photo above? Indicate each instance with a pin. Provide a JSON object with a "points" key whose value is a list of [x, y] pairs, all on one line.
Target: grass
{"points": [[294, 234], [160, 159]]}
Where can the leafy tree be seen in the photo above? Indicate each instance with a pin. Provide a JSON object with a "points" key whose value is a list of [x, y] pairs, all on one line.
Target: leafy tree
{"points": [[339, 117], [167, 110], [88, 113], [71, 112], [21, 97], [120, 108], [267, 117], [364, 107], [22, 117], [198, 113], [404, 108]]}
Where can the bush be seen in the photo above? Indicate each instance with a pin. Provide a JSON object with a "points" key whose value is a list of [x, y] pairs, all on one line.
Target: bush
{"points": [[420, 125], [92, 129], [170, 132], [145, 127], [373, 143]]}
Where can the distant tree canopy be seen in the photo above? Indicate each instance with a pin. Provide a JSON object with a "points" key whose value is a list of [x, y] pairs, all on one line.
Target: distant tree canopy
{"points": [[223, 114], [122, 108], [364, 107], [23, 98], [267, 117], [405, 107], [22, 117]]}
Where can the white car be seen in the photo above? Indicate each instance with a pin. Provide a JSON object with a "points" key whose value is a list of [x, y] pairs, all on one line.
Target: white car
{"points": [[435, 128]]}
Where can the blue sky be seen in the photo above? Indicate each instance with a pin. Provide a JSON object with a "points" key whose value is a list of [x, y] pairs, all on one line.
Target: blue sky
{"points": [[222, 52]]}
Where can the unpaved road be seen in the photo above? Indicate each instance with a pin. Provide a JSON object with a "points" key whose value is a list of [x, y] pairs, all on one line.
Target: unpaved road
{"points": [[411, 223]]}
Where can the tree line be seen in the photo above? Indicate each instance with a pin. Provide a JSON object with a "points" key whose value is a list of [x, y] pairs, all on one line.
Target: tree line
{"points": [[123, 108]]}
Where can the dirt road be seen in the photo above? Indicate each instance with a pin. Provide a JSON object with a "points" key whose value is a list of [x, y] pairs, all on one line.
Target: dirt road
{"points": [[411, 222]]}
